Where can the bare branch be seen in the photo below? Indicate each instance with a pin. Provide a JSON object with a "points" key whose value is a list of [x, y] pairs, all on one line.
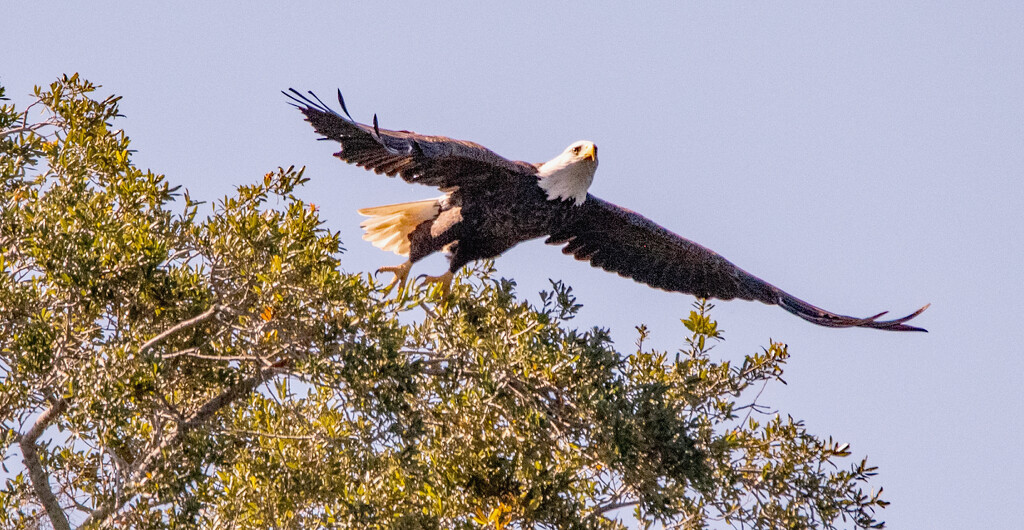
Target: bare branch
{"points": [[184, 324], [527, 329], [272, 435], [194, 353], [36, 473], [753, 404], [601, 510], [426, 353], [25, 128]]}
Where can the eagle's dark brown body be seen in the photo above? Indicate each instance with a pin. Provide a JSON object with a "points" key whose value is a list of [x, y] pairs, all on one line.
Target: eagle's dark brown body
{"points": [[484, 222], [492, 204]]}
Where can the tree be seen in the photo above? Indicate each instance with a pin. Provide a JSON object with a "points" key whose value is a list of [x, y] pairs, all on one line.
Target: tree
{"points": [[167, 369]]}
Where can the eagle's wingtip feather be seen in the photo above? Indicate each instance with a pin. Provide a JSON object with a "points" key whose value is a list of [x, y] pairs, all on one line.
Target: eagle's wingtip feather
{"points": [[344, 109], [898, 323], [325, 107]]}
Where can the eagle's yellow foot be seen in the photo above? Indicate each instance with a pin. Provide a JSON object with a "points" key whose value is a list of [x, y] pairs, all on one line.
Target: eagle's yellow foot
{"points": [[401, 273], [445, 280]]}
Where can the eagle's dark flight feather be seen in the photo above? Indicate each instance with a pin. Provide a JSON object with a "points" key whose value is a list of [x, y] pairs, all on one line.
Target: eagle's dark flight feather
{"points": [[430, 160], [626, 243]]}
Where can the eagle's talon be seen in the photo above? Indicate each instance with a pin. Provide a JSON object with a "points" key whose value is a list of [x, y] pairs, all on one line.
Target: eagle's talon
{"points": [[401, 273], [445, 280]]}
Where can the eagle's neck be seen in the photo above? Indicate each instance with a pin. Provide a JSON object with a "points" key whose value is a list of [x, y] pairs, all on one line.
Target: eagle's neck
{"points": [[564, 180]]}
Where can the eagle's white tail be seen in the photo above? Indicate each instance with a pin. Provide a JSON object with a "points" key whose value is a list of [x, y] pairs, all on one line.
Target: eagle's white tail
{"points": [[388, 227]]}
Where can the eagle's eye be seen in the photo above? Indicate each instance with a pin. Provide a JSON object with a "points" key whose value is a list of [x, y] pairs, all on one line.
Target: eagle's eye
{"points": [[576, 150]]}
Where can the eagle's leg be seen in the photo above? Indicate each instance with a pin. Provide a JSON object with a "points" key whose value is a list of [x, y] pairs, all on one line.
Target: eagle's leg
{"points": [[445, 280], [401, 273]]}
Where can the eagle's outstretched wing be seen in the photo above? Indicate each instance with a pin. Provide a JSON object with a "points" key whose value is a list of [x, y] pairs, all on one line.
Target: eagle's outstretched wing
{"points": [[431, 160], [627, 243]]}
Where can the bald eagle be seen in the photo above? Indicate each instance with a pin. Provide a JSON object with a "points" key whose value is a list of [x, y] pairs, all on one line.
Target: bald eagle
{"points": [[491, 204]]}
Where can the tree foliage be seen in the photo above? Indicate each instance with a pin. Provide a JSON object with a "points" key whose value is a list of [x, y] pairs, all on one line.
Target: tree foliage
{"points": [[160, 368]]}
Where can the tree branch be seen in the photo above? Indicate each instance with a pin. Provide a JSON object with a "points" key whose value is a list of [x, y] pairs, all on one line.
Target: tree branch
{"points": [[184, 324], [36, 473], [601, 510], [25, 128], [137, 476], [194, 353], [272, 435]]}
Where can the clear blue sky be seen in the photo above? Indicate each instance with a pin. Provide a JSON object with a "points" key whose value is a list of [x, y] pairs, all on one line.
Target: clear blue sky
{"points": [[863, 157]]}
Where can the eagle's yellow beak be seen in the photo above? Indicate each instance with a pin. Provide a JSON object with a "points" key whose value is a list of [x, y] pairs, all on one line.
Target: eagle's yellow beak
{"points": [[590, 152]]}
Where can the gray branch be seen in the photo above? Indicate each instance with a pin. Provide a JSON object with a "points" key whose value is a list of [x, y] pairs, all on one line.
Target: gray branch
{"points": [[25, 128], [137, 475], [601, 510], [36, 473], [184, 324]]}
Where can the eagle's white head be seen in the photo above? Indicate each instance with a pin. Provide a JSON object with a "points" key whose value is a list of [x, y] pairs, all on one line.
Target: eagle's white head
{"points": [[568, 175]]}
